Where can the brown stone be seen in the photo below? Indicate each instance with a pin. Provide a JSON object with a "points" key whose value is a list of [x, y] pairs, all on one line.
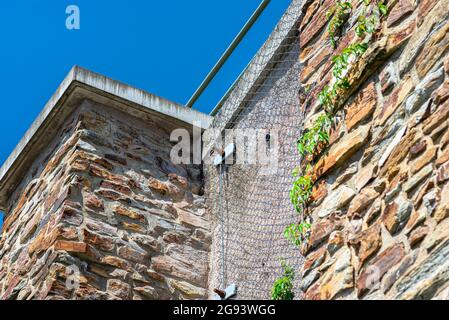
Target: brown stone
{"points": [[439, 131], [443, 173], [100, 242], [437, 236], [319, 192], [155, 276], [70, 246], [315, 63], [443, 157], [131, 214], [365, 175], [396, 98], [69, 233], [362, 107], [158, 186], [110, 194], [418, 178], [178, 180], [91, 201], [343, 149], [174, 237], [188, 290], [116, 262], [30, 228], [395, 274], [336, 240], [396, 215], [399, 36], [433, 50], [148, 292], [373, 213], [441, 95], [442, 212], [362, 201], [310, 9], [134, 227], [424, 159], [98, 171], [371, 276], [121, 188], [147, 241], [316, 24], [367, 243], [416, 218], [320, 231], [388, 77], [336, 200], [93, 159], [44, 240], [314, 260], [418, 148], [437, 118], [402, 9], [424, 8], [118, 288], [417, 235], [170, 266], [339, 277], [130, 254], [190, 219]]}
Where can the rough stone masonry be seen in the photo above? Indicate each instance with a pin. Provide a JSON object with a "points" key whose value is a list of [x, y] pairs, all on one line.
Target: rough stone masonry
{"points": [[381, 206], [102, 213]]}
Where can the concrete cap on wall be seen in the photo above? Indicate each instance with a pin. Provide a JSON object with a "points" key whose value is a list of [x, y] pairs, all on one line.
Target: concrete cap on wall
{"points": [[79, 85]]}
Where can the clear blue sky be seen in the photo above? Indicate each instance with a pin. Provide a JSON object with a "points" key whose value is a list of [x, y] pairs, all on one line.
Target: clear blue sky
{"points": [[164, 47]]}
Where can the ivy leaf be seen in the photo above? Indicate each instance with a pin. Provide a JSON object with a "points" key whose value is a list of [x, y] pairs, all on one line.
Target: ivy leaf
{"points": [[382, 8]]}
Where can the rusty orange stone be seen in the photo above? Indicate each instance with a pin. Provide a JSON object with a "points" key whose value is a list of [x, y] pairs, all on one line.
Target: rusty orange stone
{"points": [[70, 246], [100, 242], [371, 276], [119, 187], [343, 149], [424, 159], [395, 100], [317, 22], [158, 186], [367, 242], [398, 37], [362, 107], [432, 51], [120, 210], [417, 235]]}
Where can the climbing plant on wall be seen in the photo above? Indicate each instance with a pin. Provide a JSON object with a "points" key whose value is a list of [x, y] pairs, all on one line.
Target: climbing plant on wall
{"points": [[283, 287], [316, 139]]}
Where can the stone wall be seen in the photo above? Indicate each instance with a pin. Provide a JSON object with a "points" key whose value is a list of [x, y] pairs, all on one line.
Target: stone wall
{"points": [[105, 199], [381, 205]]}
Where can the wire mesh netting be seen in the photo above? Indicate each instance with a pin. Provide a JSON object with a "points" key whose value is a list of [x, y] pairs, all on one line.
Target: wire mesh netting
{"points": [[251, 209]]}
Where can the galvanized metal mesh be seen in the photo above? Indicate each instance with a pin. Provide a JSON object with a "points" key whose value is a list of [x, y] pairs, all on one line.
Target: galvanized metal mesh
{"points": [[255, 207]]}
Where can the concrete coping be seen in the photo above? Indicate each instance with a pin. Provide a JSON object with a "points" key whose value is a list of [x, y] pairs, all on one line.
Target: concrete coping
{"points": [[81, 84]]}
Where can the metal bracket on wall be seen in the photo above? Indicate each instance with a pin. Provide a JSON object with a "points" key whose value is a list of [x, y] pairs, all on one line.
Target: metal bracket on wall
{"points": [[227, 294]]}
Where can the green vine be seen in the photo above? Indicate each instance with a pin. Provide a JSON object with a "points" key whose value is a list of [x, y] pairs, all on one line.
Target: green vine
{"points": [[283, 287], [317, 138], [337, 17]]}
